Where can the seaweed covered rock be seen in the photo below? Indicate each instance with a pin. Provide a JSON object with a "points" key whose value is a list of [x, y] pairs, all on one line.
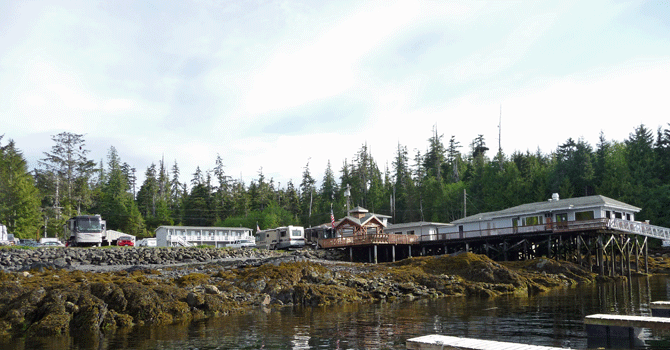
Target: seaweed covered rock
{"points": [[47, 301]]}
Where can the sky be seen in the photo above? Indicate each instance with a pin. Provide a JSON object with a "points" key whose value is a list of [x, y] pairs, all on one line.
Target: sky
{"points": [[272, 86]]}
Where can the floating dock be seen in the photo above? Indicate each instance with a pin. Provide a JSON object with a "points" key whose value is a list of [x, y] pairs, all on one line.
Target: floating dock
{"points": [[620, 330], [660, 308], [443, 342], [626, 321]]}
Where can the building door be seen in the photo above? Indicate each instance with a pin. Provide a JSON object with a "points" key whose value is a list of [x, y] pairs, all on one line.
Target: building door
{"points": [[562, 220], [515, 225]]}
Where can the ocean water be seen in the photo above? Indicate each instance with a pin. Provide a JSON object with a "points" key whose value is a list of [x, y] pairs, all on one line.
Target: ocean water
{"points": [[551, 319]]}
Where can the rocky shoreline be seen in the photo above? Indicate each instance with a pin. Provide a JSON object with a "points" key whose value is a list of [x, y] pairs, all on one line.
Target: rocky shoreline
{"points": [[117, 258], [63, 290]]}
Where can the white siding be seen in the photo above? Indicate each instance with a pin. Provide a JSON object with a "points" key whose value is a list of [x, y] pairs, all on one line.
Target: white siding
{"points": [[214, 236]]}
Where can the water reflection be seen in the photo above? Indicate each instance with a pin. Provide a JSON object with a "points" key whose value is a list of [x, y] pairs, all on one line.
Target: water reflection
{"points": [[552, 319]]}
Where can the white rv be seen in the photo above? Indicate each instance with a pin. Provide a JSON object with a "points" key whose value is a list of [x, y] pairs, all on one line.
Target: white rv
{"points": [[287, 237]]}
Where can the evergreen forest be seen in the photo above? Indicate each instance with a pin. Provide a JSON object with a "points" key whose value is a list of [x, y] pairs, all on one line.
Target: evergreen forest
{"points": [[440, 184]]}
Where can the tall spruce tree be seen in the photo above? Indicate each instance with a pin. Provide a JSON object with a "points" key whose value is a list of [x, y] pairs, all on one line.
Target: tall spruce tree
{"points": [[19, 201], [328, 196], [70, 171], [147, 196], [453, 159], [117, 205], [307, 193], [402, 192], [434, 158]]}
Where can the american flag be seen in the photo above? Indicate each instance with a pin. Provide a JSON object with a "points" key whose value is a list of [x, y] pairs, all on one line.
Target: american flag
{"points": [[332, 218]]}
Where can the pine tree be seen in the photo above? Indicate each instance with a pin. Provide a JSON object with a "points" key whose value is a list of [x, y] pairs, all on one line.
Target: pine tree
{"points": [[453, 159], [147, 196], [19, 201], [222, 195], [176, 194], [402, 186], [67, 166], [307, 192], [435, 156], [291, 202], [327, 195], [117, 205]]}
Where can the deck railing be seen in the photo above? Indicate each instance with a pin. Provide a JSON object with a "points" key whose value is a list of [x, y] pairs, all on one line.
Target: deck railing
{"points": [[375, 238], [640, 228], [178, 240], [624, 226]]}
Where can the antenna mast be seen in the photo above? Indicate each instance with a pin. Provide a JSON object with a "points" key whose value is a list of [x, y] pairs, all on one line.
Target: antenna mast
{"points": [[500, 131]]}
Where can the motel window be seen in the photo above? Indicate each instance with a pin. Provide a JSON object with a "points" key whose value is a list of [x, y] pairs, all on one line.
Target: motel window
{"points": [[561, 217], [628, 217], [584, 215], [530, 221], [618, 215]]}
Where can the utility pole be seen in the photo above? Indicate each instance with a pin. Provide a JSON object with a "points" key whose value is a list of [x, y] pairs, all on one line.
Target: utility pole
{"points": [[57, 199], [500, 154], [347, 193], [500, 131], [465, 205], [393, 205]]}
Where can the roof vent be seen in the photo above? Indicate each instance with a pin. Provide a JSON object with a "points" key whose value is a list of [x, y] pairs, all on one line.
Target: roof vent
{"points": [[554, 197]]}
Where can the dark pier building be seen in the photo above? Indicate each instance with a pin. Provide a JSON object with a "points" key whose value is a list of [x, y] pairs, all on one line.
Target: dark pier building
{"points": [[594, 231]]}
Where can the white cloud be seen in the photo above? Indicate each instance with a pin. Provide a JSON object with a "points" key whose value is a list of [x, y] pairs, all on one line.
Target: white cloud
{"points": [[215, 78], [299, 73]]}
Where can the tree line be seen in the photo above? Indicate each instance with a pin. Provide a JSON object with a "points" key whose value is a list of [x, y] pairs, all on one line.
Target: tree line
{"points": [[440, 184]]}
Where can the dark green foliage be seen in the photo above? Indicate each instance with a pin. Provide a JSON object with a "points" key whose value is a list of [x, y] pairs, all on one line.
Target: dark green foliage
{"points": [[19, 201], [436, 184], [67, 174], [270, 217], [117, 204]]}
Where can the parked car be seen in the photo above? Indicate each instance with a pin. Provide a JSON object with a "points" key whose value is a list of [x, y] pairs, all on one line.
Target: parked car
{"points": [[50, 242], [125, 241], [147, 242], [27, 242]]}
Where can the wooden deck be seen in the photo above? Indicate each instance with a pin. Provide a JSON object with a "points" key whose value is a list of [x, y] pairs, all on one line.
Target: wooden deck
{"points": [[618, 225], [440, 342], [369, 239], [604, 225]]}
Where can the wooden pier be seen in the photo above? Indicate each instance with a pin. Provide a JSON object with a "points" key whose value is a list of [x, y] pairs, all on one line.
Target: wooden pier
{"points": [[596, 232], [443, 342]]}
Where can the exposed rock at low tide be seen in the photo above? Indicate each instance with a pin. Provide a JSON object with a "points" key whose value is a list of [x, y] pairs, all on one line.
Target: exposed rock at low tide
{"points": [[60, 291]]}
